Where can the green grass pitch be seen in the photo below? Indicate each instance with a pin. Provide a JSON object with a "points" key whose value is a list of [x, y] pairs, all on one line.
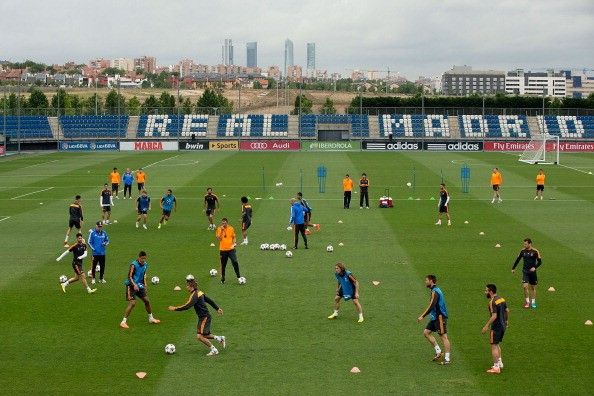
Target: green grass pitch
{"points": [[279, 340]]}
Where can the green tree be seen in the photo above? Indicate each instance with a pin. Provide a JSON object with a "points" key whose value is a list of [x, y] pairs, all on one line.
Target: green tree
{"points": [[187, 106], [302, 105], [133, 106], [167, 102], [92, 102], [151, 105], [212, 101], [112, 71], [328, 107], [114, 103], [257, 85], [38, 101], [60, 102], [272, 83]]}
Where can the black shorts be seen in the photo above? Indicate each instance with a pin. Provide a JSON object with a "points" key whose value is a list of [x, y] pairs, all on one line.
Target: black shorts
{"points": [[106, 208], [530, 277], [77, 267], [166, 213], [540, 187], [115, 186], [443, 209], [210, 211], [438, 325], [495, 187], [131, 294], [245, 225], [74, 223], [140, 186], [143, 212], [496, 336], [203, 326]]}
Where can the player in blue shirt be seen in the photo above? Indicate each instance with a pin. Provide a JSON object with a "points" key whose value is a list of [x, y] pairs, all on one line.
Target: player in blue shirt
{"points": [[143, 205], [347, 288], [168, 203], [438, 314], [128, 179], [98, 240], [136, 287], [298, 221]]}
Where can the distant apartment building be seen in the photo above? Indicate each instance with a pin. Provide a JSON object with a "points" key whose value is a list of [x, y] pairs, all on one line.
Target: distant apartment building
{"points": [[274, 72], [311, 58], [252, 54], [463, 80], [227, 52], [146, 63], [99, 63], [125, 64], [547, 83], [578, 85], [295, 73], [288, 56], [185, 67]]}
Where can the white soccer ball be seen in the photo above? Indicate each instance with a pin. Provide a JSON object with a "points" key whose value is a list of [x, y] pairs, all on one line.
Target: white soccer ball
{"points": [[170, 349], [97, 267], [89, 273], [283, 247], [63, 278], [190, 277], [241, 280], [289, 254], [329, 248], [266, 246], [213, 272], [274, 246], [155, 280], [409, 184], [262, 247]]}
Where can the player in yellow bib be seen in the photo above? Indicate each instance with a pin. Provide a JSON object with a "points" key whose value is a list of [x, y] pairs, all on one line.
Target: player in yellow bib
{"points": [[540, 182]]}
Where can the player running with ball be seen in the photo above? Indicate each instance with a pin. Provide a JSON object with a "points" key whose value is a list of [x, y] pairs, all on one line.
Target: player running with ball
{"points": [[79, 250], [198, 301]]}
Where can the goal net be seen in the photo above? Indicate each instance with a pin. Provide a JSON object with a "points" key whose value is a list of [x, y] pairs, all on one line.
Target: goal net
{"points": [[542, 149]]}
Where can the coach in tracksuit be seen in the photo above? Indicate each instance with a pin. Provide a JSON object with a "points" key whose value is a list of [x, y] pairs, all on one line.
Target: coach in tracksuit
{"points": [[98, 240]]}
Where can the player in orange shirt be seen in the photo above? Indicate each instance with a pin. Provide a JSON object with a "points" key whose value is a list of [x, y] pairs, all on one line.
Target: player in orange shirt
{"points": [[540, 181], [347, 187], [140, 179], [227, 242], [114, 178], [496, 182]]}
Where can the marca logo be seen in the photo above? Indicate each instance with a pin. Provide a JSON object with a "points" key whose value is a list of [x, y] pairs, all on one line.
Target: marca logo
{"points": [[224, 145], [148, 146]]}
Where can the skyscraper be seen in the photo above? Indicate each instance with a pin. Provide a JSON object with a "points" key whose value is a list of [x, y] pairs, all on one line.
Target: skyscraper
{"points": [[288, 55], [227, 52], [311, 56], [252, 54]]}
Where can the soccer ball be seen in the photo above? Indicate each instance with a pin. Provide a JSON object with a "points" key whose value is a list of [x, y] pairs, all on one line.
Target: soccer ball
{"points": [[289, 254], [63, 278], [241, 280], [170, 349], [283, 247], [189, 277], [263, 246], [274, 246], [155, 281], [97, 267], [213, 272], [409, 184], [329, 248]]}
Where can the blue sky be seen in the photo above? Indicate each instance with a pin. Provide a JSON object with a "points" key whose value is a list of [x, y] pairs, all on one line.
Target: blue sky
{"points": [[422, 37]]}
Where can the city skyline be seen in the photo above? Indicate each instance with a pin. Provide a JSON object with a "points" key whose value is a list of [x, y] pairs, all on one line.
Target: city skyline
{"points": [[407, 37]]}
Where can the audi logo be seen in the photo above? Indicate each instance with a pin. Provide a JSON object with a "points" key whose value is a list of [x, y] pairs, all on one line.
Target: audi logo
{"points": [[259, 145]]}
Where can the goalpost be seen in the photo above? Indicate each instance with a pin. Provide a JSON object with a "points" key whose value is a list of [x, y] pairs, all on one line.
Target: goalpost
{"points": [[542, 149]]}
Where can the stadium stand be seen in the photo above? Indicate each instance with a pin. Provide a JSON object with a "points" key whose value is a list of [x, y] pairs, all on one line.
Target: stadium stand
{"points": [[415, 125], [359, 124], [172, 125], [493, 126], [31, 127], [253, 125], [91, 126], [307, 125], [568, 126]]}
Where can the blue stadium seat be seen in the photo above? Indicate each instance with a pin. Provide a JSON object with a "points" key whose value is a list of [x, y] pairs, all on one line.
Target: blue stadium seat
{"points": [[253, 125], [415, 125], [568, 127], [101, 126], [26, 127]]}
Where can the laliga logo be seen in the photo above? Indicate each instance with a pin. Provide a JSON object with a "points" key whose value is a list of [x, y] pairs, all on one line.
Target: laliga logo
{"points": [[259, 145], [93, 146], [65, 146]]}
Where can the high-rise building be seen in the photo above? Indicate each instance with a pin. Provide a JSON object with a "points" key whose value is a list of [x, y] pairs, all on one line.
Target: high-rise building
{"points": [[463, 80], [311, 56], [252, 54], [288, 55], [227, 52], [146, 63]]}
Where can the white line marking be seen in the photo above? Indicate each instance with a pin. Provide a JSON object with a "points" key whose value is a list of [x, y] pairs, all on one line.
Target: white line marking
{"points": [[166, 159], [575, 169], [34, 192], [5, 218], [41, 163]]}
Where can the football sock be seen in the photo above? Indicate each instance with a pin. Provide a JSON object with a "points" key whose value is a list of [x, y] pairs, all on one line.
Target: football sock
{"points": [[437, 349], [124, 320], [336, 312], [534, 301], [360, 316], [150, 316], [527, 301], [66, 238], [447, 356]]}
